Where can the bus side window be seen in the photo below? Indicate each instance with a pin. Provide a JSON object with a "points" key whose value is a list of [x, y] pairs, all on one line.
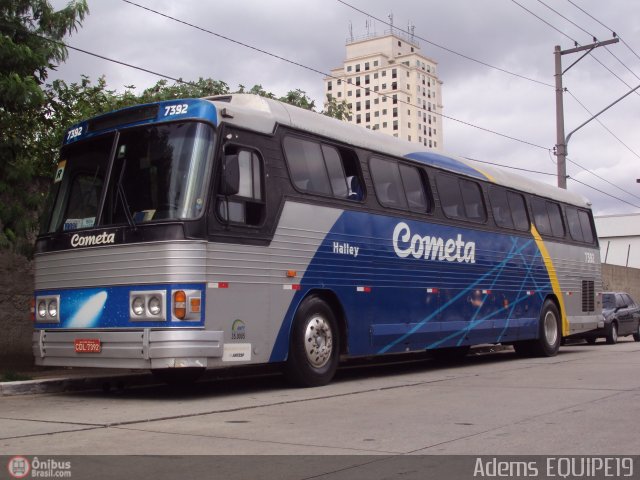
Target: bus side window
{"points": [[323, 169], [575, 230], [500, 207], [541, 216], [518, 211], [585, 223], [450, 196], [247, 206], [555, 219]]}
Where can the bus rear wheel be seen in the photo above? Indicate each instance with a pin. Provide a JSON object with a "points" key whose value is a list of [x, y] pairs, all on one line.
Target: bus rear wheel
{"points": [[548, 342], [549, 334], [315, 346]]}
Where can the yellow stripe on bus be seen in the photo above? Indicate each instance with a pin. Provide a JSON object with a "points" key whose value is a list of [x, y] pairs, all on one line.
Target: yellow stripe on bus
{"points": [[555, 285]]}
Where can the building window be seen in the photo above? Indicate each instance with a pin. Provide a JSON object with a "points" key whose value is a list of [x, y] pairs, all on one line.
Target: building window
{"points": [[349, 93], [394, 86], [357, 106], [366, 79], [384, 73], [358, 118], [394, 73], [384, 124], [395, 124], [339, 82], [384, 111], [357, 67], [375, 75], [367, 117], [367, 105], [395, 112], [357, 81], [358, 93], [339, 94], [399, 43], [395, 99], [329, 86], [366, 65], [375, 63], [376, 113]]}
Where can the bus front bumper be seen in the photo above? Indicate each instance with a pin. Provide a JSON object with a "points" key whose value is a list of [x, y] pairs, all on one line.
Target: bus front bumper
{"points": [[143, 349]]}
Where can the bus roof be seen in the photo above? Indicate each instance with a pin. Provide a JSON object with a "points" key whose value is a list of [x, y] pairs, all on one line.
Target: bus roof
{"points": [[264, 115]]}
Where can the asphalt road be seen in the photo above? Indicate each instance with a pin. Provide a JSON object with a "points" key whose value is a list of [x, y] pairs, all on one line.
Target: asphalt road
{"points": [[584, 401]]}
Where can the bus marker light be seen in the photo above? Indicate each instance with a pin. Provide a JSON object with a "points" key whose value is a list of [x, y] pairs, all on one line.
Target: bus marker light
{"points": [[432, 290], [291, 287], [486, 292], [291, 273], [530, 292], [194, 305], [180, 304], [218, 285], [364, 289]]}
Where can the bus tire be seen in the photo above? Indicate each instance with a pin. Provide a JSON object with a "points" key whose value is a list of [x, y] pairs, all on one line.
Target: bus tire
{"points": [[549, 331], [314, 348]]}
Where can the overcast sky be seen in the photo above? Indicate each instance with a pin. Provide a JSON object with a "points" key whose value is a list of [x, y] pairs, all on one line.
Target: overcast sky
{"points": [[495, 32]]}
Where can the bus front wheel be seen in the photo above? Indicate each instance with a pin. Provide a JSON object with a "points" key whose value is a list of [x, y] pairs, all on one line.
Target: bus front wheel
{"points": [[314, 348]]}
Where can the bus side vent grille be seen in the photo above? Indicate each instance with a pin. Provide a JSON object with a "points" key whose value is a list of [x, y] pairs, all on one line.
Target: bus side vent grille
{"points": [[588, 297]]}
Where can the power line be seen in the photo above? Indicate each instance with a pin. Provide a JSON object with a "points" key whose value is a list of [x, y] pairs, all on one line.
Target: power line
{"points": [[545, 22], [601, 178], [602, 191], [602, 24], [602, 124], [327, 75], [511, 167], [462, 55]]}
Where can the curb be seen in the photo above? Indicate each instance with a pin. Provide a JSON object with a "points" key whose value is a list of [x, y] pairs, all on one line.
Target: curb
{"points": [[105, 382], [74, 384]]}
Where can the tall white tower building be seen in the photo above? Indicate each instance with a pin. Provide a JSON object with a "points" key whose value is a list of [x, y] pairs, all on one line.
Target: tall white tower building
{"points": [[390, 87]]}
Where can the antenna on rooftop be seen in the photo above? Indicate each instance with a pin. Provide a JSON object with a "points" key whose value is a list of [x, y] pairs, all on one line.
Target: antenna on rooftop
{"points": [[391, 21], [350, 30], [411, 28]]}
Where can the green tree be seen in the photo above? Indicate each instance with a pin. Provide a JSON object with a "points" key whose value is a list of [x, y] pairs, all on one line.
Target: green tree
{"points": [[30, 34], [335, 109]]}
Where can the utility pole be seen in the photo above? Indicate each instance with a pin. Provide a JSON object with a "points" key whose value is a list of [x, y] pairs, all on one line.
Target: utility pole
{"points": [[561, 143]]}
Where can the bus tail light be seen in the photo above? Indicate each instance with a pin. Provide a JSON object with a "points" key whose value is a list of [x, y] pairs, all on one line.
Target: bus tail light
{"points": [[180, 304], [32, 309]]}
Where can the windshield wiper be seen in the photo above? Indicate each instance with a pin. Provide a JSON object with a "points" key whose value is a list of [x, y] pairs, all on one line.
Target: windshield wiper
{"points": [[123, 196]]}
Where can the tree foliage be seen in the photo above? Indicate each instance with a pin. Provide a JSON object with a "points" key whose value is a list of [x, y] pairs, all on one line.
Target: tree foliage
{"points": [[34, 116], [30, 34]]}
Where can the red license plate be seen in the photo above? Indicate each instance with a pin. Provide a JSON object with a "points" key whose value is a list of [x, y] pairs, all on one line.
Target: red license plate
{"points": [[87, 345]]}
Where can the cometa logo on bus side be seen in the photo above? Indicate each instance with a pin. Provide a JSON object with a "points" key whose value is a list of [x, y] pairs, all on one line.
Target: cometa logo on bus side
{"points": [[87, 240], [431, 247]]}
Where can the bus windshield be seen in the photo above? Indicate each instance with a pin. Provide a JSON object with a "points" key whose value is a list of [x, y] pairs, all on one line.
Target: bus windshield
{"points": [[159, 173]]}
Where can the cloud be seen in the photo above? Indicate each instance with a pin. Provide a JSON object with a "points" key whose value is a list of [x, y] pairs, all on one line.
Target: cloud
{"points": [[313, 33]]}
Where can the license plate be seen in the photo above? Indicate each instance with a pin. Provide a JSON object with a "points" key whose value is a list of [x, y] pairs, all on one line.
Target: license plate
{"points": [[87, 345]]}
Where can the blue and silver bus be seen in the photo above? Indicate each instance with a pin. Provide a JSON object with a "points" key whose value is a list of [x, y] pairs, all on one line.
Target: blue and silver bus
{"points": [[195, 234]]}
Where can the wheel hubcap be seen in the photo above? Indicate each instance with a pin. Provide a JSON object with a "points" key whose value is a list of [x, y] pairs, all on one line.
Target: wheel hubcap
{"points": [[550, 328], [318, 341]]}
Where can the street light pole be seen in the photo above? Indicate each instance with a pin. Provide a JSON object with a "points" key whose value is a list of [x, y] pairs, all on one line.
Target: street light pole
{"points": [[561, 142]]}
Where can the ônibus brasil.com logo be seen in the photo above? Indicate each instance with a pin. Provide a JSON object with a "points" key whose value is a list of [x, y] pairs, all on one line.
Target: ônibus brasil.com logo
{"points": [[20, 467]]}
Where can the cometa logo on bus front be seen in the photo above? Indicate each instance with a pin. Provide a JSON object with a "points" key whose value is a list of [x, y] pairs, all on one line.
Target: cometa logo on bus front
{"points": [[431, 247], [88, 240]]}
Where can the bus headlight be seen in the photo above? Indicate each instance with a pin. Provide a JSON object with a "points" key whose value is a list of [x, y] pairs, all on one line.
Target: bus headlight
{"points": [[42, 309], [147, 306], [47, 308], [154, 306], [137, 306], [52, 308]]}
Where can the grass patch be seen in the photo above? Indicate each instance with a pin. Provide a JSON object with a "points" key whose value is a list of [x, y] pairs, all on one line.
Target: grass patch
{"points": [[13, 377]]}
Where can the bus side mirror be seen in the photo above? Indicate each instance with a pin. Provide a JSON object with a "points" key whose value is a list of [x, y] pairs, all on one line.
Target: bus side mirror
{"points": [[230, 180]]}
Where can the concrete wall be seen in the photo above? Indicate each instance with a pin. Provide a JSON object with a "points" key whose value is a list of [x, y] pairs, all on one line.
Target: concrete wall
{"points": [[16, 289], [617, 278]]}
